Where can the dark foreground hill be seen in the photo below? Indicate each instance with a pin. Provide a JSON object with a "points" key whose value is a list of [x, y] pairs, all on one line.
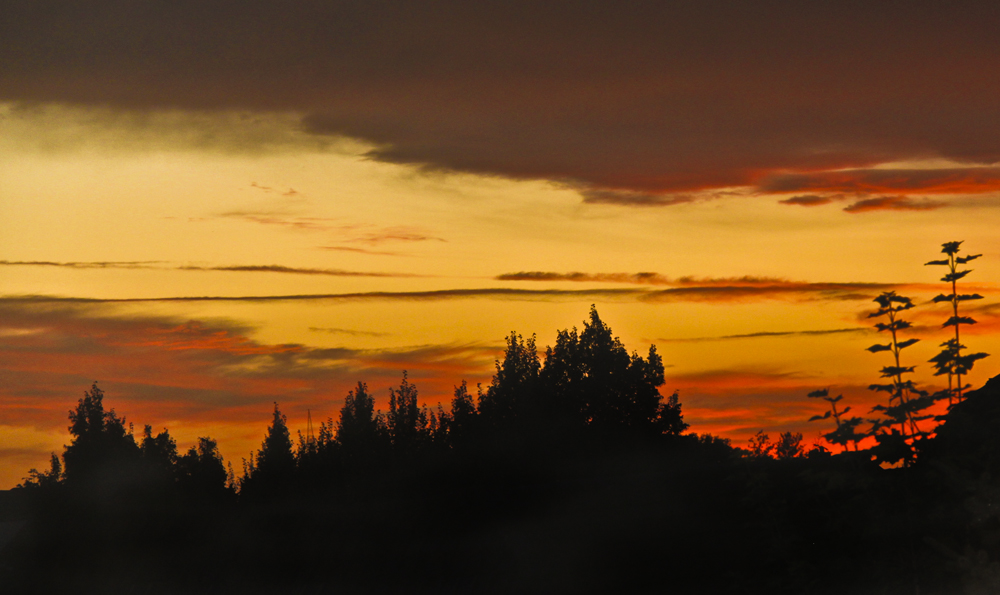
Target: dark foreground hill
{"points": [[686, 515]]}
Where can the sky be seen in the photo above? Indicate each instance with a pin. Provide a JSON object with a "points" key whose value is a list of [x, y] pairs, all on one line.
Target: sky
{"points": [[208, 208]]}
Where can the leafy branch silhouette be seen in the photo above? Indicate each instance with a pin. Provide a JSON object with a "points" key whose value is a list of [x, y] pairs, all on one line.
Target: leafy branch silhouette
{"points": [[951, 361]]}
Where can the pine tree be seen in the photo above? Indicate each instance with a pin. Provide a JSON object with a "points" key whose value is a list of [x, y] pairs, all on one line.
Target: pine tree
{"points": [[275, 461], [361, 431], [407, 422]]}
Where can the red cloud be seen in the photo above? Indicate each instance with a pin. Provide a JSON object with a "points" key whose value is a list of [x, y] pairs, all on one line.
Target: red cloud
{"points": [[970, 180]]}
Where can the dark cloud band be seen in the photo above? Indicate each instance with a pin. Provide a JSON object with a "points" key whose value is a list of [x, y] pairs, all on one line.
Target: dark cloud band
{"points": [[637, 104]]}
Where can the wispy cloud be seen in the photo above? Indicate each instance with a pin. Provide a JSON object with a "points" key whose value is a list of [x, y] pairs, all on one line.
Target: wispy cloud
{"points": [[396, 234], [769, 334], [893, 203], [189, 369], [442, 294], [808, 200], [714, 288], [162, 265], [274, 268], [357, 250], [285, 220], [637, 278], [635, 199], [137, 264], [346, 331], [289, 192], [957, 180]]}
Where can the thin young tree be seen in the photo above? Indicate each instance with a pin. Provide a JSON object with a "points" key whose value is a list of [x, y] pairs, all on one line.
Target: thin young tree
{"points": [[846, 431], [906, 401], [951, 361]]}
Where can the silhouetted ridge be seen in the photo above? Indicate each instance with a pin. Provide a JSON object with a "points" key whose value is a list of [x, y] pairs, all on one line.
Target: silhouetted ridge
{"points": [[569, 473]]}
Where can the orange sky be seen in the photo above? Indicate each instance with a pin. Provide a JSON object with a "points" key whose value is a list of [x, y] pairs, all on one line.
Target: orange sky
{"points": [[282, 204]]}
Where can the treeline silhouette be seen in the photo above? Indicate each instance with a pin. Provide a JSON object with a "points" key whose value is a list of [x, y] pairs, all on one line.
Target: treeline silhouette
{"points": [[568, 474]]}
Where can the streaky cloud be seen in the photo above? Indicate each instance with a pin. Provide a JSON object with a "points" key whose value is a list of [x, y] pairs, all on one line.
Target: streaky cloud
{"points": [[163, 265], [357, 250], [769, 334], [807, 200], [372, 295], [637, 278], [956, 180], [274, 268], [111, 264], [346, 331], [892, 203]]}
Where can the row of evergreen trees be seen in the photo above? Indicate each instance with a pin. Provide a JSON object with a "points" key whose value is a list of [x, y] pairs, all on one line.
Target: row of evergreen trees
{"points": [[589, 391]]}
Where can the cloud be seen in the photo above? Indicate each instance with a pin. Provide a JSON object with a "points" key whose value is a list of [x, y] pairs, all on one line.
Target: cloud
{"points": [[691, 290], [715, 288], [270, 190], [396, 234], [190, 375], [274, 268], [440, 294], [638, 278], [350, 233], [282, 220], [142, 264], [627, 103], [634, 199], [161, 265], [892, 203], [808, 200], [770, 334], [965, 180], [345, 331]]}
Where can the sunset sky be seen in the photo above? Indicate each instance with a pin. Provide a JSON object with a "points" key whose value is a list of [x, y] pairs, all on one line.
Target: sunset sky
{"points": [[211, 206]]}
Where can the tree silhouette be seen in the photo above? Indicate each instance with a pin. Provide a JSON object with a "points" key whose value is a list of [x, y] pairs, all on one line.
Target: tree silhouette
{"points": [[509, 405], [759, 446], [846, 431], [159, 452], [462, 423], [951, 361], [201, 471], [361, 432], [101, 445], [272, 469], [591, 379], [788, 446], [44, 479], [407, 423], [906, 401]]}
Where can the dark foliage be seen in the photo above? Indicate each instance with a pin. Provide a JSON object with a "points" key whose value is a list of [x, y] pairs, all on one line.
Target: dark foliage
{"points": [[570, 475]]}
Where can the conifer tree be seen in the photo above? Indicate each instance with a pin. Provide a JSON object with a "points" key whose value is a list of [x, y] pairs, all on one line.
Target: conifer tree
{"points": [[407, 422], [462, 422], [275, 461], [361, 430]]}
